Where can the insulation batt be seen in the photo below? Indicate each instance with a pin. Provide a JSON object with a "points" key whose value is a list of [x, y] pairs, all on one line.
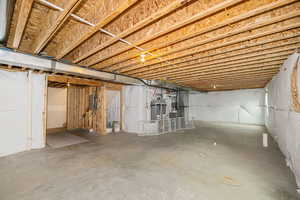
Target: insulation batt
{"points": [[21, 111], [282, 121], [238, 106]]}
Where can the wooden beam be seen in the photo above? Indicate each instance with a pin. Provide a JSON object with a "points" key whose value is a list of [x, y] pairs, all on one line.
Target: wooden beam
{"points": [[73, 80], [21, 22], [83, 81], [256, 55], [103, 105], [154, 17], [50, 29], [201, 15], [233, 20], [197, 57], [106, 20], [209, 40]]}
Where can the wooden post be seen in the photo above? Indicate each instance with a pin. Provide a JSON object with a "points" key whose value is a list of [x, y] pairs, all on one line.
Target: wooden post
{"points": [[103, 110]]}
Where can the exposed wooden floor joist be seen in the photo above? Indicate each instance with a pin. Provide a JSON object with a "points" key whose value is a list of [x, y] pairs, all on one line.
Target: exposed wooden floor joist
{"points": [[217, 26], [182, 40]]}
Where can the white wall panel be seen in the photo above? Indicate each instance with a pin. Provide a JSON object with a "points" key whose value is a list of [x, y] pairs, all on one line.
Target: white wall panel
{"points": [[239, 106], [21, 106], [282, 121]]}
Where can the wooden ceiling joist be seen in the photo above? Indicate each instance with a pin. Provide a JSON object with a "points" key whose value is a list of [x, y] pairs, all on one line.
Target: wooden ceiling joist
{"points": [[259, 72], [201, 15], [242, 70], [219, 84], [154, 17], [107, 19], [50, 29], [239, 63], [218, 46], [21, 22], [234, 72], [213, 63], [213, 39], [224, 58], [230, 79], [195, 72], [233, 20], [218, 51], [266, 76], [233, 44]]}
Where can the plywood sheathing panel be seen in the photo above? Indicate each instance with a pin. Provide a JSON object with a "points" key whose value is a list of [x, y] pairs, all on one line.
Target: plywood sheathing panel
{"points": [[93, 11], [32, 29], [140, 11], [181, 14], [177, 17]]}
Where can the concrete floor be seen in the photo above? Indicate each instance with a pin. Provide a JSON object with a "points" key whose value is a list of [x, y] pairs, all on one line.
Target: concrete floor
{"points": [[175, 166]]}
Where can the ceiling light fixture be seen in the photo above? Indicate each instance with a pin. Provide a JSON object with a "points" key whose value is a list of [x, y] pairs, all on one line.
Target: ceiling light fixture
{"points": [[143, 57]]}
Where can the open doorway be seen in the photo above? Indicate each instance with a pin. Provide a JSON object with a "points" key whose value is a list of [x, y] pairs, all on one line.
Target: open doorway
{"points": [[57, 103], [56, 109]]}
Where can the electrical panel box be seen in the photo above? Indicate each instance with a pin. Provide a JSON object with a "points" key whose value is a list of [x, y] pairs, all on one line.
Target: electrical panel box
{"points": [[93, 102]]}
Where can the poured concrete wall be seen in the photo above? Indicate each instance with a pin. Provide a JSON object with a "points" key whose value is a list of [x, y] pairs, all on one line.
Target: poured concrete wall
{"points": [[282, 119], [238, 106]]}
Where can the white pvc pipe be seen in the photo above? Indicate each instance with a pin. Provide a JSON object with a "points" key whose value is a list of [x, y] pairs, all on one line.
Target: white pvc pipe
{"points": [[82, 20], [47, 3], [265, 140]]}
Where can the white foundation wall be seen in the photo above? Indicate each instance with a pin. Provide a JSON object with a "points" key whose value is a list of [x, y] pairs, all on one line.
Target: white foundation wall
{"points": [[282, 121], [237, 106], [136, 109], [113, 105], [56, 107], [22, 103]]}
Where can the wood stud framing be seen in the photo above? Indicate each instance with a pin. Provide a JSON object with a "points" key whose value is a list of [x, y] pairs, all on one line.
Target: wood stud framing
{"points": [[191, 51]]}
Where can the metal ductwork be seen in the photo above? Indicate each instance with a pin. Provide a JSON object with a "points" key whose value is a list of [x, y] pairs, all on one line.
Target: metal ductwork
{"points": [[18, 59], [13, 58], [6, 11], [172, 86]]}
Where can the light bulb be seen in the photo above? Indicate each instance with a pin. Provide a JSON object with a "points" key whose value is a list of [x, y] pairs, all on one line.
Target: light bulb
{"points": [[143, 57]]}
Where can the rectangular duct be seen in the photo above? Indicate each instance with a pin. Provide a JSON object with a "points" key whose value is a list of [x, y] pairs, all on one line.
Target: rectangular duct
{"points": [[13, 58]]}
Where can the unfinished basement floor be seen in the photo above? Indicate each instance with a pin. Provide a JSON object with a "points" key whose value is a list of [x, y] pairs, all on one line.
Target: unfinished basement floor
{"points": [[175, 166]]}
